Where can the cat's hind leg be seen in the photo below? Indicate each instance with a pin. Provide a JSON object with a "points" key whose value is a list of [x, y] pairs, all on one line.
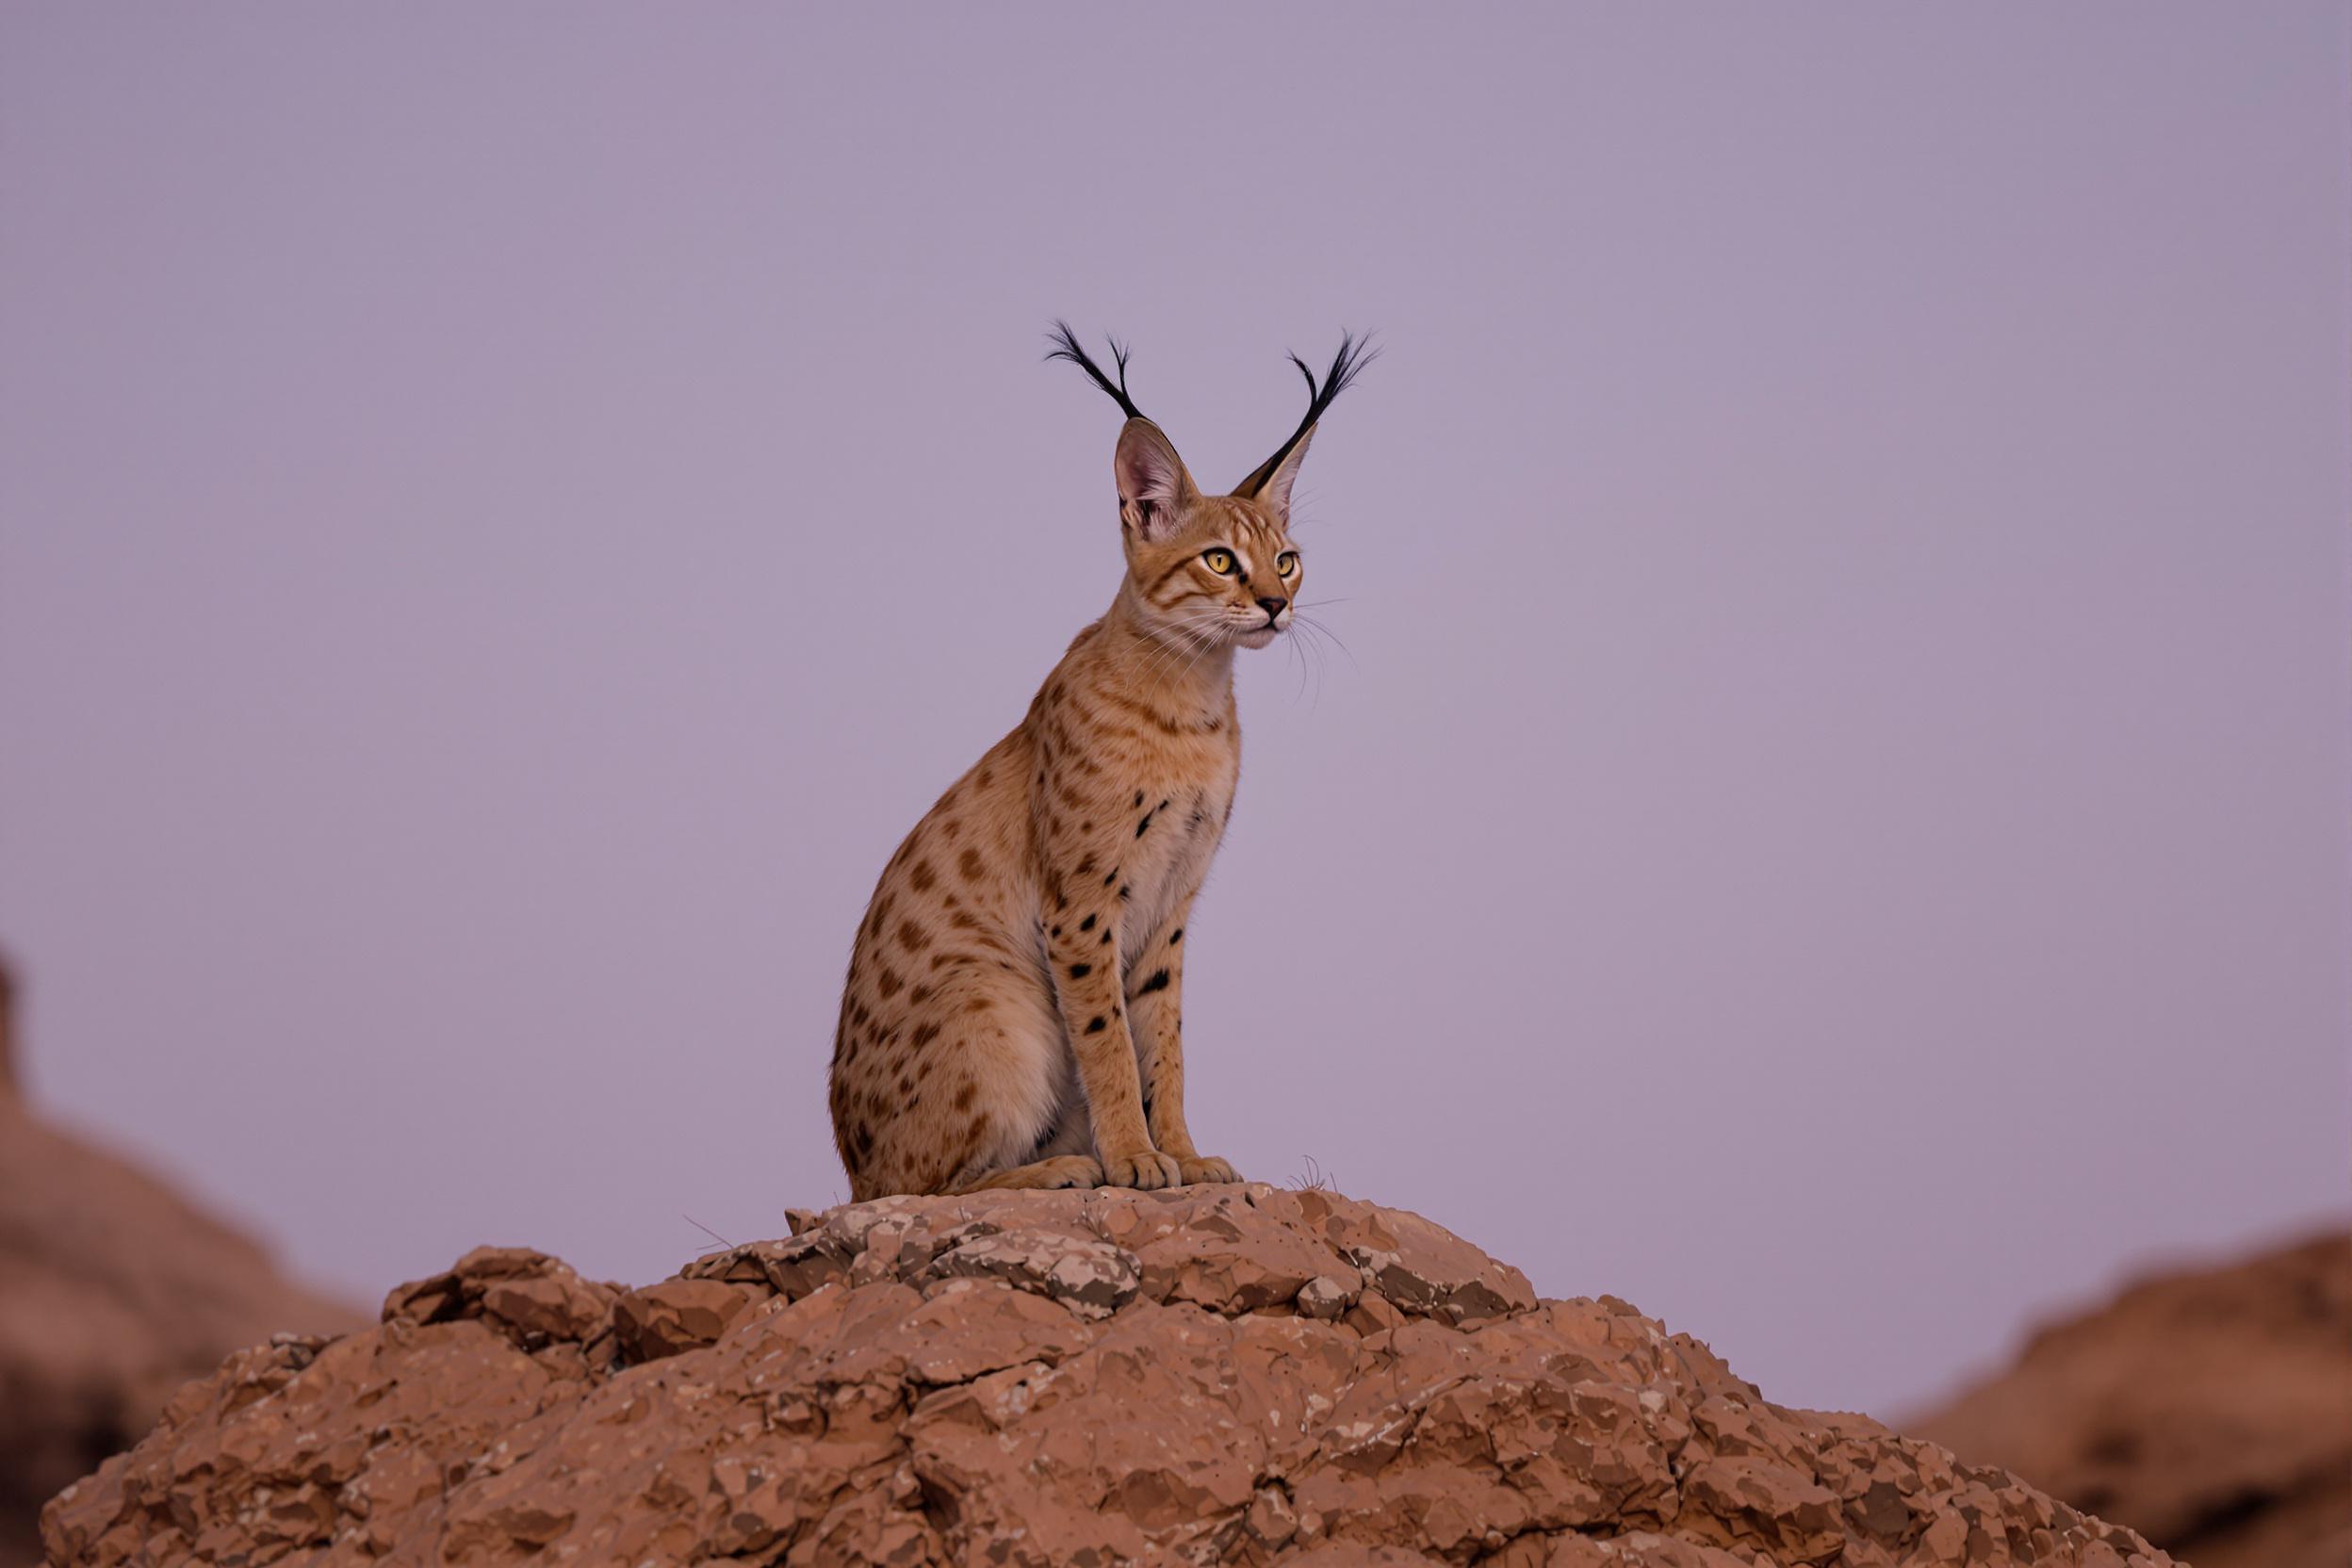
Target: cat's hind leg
{"points": [[971, 1081]]}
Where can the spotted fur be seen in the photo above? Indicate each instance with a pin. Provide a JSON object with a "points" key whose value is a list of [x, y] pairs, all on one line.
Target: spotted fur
{"points": [[1012, 1016]]}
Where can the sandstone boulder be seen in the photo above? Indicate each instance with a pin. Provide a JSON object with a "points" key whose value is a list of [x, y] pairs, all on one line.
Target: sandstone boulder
{"points": [[114, 1291], [1211, 1375], [2211, 1408]]}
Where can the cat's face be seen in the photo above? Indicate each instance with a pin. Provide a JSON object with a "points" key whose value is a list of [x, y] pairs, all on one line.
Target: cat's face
{"points": [[1222, 571], [1205, 570], [1210, 571]]}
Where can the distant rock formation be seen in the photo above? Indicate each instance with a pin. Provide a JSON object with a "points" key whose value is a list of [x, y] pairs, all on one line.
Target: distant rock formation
{"points": [[114, 1291], [1210, 1375], [9, 1089], [2210, 1408]]}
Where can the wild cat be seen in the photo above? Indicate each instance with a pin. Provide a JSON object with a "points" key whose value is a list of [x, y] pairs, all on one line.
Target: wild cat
{"points": [[1013, 1013]]}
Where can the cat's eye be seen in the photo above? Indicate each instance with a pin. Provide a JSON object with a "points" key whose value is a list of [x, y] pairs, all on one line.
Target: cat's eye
{"points": [[1220, 561], [1287, 563]]}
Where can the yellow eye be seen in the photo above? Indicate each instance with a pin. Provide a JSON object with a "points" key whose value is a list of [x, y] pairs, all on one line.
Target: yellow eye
{"points": [[1220, 561], [1287, 563]]}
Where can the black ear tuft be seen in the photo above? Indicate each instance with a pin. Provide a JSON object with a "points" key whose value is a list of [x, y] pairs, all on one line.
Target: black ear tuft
{"points": [[1066, 347], [1346, 365]]}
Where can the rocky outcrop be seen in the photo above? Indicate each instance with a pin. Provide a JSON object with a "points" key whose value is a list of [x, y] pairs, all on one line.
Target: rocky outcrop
{"points": [[9, 1090], [114, 1291], [1234, 1374], [2210, 1408]]}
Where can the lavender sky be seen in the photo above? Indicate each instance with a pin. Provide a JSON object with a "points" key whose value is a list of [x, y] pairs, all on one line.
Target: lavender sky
{"points": [[1834, 827]]}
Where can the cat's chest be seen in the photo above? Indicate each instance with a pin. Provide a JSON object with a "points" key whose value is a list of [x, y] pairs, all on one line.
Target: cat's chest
{"points": [[1178, 815]]}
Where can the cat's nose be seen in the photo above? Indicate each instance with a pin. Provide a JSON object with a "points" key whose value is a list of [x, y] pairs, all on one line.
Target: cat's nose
{"points": [[1272, 608]]}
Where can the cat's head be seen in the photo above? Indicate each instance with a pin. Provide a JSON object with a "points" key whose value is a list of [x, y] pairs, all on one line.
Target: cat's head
{"points": [[1204, 569]]}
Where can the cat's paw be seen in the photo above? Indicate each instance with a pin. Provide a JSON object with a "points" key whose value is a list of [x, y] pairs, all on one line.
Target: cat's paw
{"points": [[1145, 1170], [1073, 1170], [1206, 1167]]}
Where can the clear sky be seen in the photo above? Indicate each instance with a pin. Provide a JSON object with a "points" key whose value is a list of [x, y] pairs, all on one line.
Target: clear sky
{"points": [[1835, 823]]}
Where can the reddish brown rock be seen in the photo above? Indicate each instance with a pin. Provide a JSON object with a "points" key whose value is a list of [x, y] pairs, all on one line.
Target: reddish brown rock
{"points": [[1211, 1375], [114, 1291], [678, 1315], [8, 1032], [532, 1298], [2210, 1408], [1198, 1376]]}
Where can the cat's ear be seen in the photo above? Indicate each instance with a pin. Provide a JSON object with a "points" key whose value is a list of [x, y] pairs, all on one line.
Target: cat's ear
{"points": [[1270, 481], [1274, 490], [1152, 483]]}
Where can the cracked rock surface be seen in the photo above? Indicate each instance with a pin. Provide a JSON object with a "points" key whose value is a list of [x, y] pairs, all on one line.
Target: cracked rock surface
{"points": [[1228, 1374]]}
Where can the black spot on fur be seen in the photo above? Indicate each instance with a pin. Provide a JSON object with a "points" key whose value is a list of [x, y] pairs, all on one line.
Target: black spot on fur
{"points": [[1176, 936], [1097, 1026], [1079, 971], [1086, 924], [1157, 983]]}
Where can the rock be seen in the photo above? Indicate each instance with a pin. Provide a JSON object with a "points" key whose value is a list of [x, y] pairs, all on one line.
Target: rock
{"points": [[7, 1034], [2210, 1409], [678, 1315], [114, 1291], [1092, 1279], [1208, 1375], [1325, 1296], [532, 1298]]}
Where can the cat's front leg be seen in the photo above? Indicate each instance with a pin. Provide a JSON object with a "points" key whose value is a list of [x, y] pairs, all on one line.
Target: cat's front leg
{"points": [[1082, 945], [1155, 989]]}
